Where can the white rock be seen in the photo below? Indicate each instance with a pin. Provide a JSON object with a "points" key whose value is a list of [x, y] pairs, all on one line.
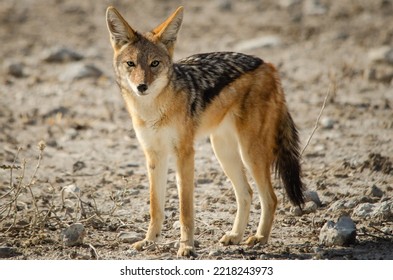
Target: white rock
{"points": [[74, 234], [16, 69], [260, 42], [296, 211], [79, 71], [310, 207], [70, 191], [61, 54], [327, 123], [129, 237], [379, 211], [374, 191], [342, 204], [176, 225], [341, 233], [381, 54], [364, 210], [312, 196], [383, 210]]}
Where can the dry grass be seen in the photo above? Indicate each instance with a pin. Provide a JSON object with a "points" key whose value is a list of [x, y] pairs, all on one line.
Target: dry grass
{"points": [[28, 213]]}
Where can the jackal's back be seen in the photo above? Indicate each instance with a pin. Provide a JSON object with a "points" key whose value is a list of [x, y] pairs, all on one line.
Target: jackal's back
{"points": [[204, 75]]}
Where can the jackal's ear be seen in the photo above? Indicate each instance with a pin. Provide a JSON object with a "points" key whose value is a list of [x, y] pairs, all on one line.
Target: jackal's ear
{"points": [[167, 31], [120, 31]]}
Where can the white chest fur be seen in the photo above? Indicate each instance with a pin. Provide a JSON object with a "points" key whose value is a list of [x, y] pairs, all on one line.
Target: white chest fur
{"points": [[158, 139]]}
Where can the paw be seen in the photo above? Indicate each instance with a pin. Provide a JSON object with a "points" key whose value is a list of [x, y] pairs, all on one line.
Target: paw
{"points": [[186, 251], [230, 239], [141, 245], [254, 240]]}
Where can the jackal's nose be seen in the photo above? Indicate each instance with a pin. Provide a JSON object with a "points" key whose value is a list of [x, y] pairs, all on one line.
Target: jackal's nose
{"points": [[142, 87]]}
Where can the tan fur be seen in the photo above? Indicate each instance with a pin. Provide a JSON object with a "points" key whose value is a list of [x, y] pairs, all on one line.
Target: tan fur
{"points": [[243, 123]]}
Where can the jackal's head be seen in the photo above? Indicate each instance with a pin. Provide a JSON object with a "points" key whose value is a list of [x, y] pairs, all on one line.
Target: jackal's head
{"points": [[143, 61]]}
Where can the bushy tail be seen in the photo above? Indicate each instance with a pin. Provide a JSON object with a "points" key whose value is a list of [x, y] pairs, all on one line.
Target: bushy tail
{"points": [[287, 163]]}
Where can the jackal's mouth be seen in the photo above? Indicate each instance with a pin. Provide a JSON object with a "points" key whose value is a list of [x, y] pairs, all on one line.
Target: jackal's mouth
{"points": [[141, 93]]}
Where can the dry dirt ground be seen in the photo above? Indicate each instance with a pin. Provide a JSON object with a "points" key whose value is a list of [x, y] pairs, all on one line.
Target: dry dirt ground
{"points": [[92, 170]]}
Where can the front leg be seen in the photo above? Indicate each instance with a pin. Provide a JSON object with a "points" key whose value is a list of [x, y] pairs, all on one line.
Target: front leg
{"points": [[185, 184], [157, 165]]}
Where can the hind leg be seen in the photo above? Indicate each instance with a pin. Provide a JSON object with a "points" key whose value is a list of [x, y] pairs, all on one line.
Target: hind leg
{"points": [[225, 147], [259, 164]]}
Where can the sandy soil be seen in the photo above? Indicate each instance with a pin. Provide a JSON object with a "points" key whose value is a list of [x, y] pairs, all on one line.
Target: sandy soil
{"points": [[92, 170]]}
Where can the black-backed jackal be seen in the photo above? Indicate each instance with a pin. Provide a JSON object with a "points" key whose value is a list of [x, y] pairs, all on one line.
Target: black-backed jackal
{"points": [[235, 98]]}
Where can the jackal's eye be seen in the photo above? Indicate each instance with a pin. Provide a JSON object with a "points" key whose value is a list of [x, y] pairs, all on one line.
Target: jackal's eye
{"points": [[154, 63], [130, 63]]}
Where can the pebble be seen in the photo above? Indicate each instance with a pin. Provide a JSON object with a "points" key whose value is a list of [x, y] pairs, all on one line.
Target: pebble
{"points": [[384, 210], [129, 237], [308, 207], [312, 202], [381, 54], [256, 43], [16, 70], [74, 234], [72, 190], [80, 71], [312, 196], [379, 211], [342, 233], [327, 123], [374, 191], [61, 54], [342, 204], [8, 252], [296, 211], [176, 225], [364, 210], [215, 253]]}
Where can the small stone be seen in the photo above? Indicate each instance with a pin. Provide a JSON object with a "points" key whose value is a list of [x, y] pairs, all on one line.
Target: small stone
{"points": [[375, 192], [72, 190], [77, 166], [296, 211], [80, 71], [176, 225], [129, 237], [74, 235], [364, 210], [310, 207], [312, 196], [215, 253], [327, 123], [8, 252], [62, 54], [381, 54], [342, 204], [383, 211], [16, 70], [342, 233]]}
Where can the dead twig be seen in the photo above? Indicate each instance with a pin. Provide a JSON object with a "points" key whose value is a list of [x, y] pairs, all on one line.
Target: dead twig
{"points": [[318, 118]]}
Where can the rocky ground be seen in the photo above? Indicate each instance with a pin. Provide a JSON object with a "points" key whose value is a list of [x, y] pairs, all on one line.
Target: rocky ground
{"points": [[69, 155]]}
